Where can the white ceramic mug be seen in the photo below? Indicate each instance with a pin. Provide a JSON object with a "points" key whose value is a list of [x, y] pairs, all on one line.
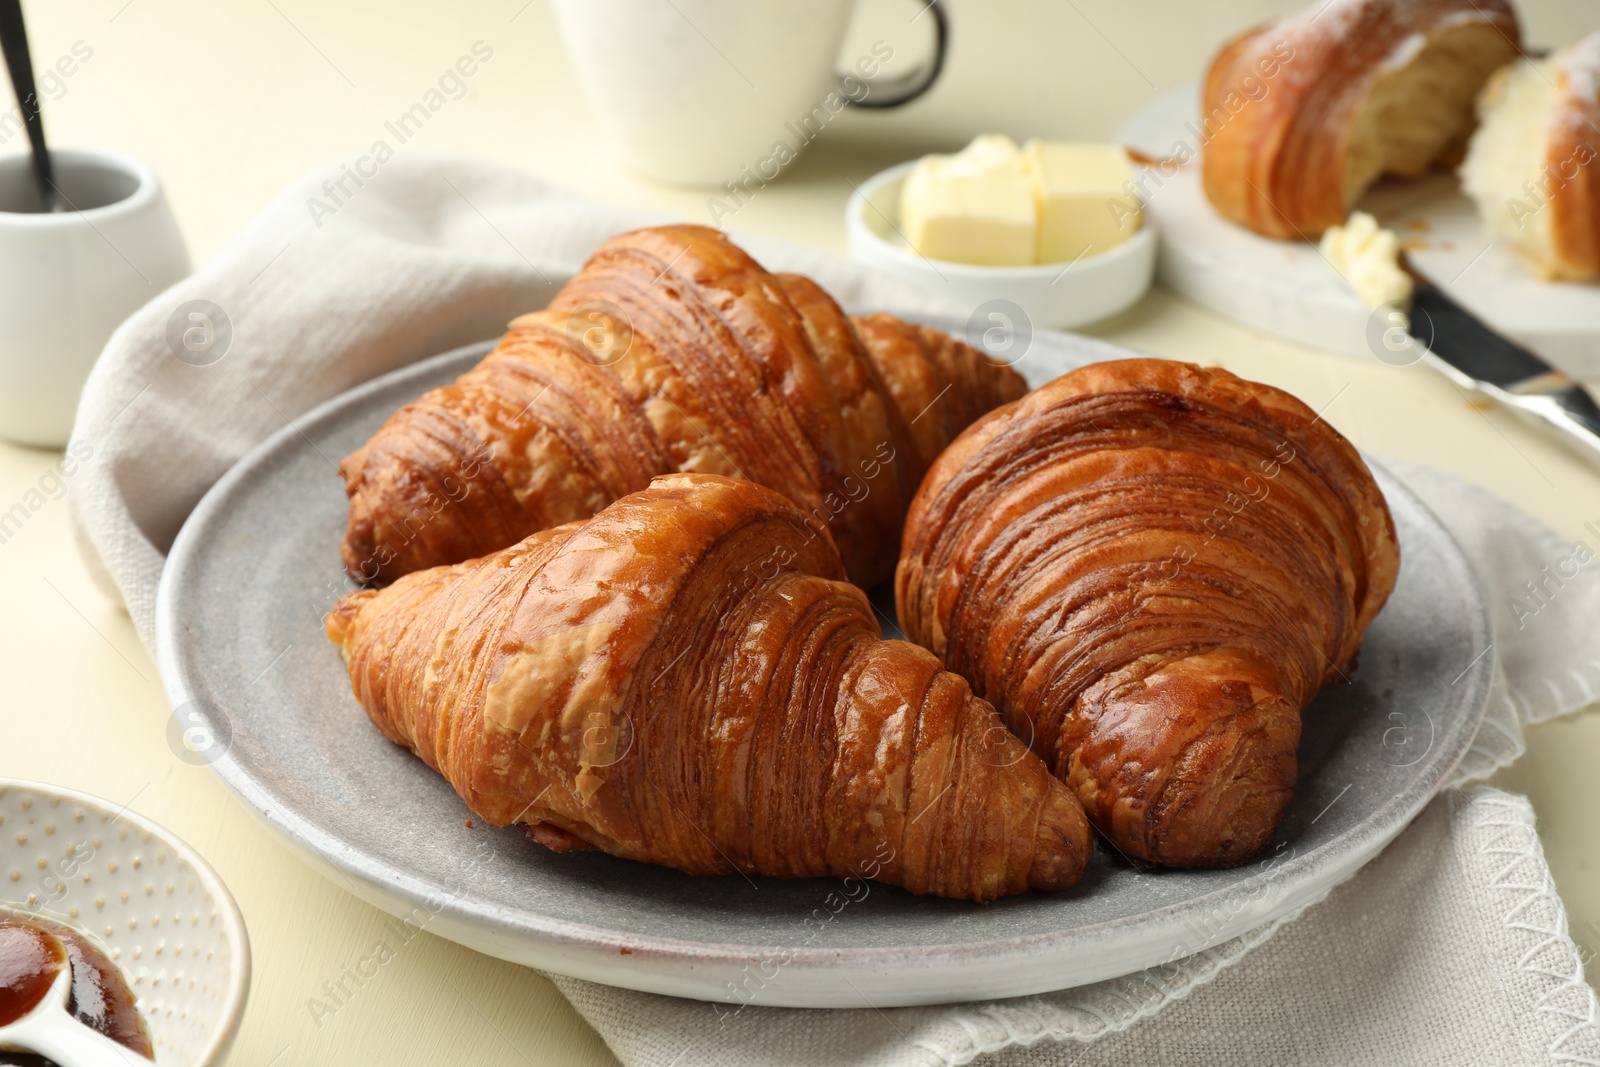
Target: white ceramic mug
{"points": [[702, 92], [69, 278]]}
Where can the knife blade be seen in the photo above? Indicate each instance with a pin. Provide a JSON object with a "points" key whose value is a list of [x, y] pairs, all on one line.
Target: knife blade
{"points": [[1470, 353]]}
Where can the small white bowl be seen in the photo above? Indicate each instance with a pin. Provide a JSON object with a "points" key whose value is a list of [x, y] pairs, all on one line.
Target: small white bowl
{"points": [[1053, 295], [146, 898]]}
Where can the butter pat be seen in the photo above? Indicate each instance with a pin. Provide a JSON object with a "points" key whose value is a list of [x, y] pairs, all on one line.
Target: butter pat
{"points": [[977, 206], [1084, 205], [1368, 257]]}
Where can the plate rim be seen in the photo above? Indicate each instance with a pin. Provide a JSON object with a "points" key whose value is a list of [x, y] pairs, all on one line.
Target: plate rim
{"points": [[590, 951]]}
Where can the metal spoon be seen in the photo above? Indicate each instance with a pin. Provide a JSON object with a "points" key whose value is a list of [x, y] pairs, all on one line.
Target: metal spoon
{"points": [[49, 1030], [14, 41]]}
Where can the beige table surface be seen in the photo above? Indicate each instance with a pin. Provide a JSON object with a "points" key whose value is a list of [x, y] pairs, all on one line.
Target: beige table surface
{"points": [[231, 100]]}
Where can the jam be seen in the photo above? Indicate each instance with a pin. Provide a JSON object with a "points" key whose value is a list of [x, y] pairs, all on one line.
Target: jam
{"points": [[32, 953], [29, 963]]}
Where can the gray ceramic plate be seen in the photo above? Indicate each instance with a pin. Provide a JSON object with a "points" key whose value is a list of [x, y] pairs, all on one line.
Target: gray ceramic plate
{"points": [[243, 658]]}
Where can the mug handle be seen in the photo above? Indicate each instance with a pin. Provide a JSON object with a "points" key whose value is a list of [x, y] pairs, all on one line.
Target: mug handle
{"points": [[896, 91]]}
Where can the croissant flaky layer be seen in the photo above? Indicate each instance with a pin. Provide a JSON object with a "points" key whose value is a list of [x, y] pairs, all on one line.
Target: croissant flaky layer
{"points": [[1151, 568], [686, 679], [671, 350], [1303, 114], [1533, 167]]}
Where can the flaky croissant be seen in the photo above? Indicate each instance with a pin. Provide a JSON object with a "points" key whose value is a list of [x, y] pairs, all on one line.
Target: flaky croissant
{"points": [[1150, 569], [1533, 167], [685, 679], [671, 350], [1301, 115]]}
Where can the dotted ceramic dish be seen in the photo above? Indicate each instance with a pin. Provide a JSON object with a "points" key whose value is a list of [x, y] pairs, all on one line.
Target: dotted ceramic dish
{"points": [[155, 907]]}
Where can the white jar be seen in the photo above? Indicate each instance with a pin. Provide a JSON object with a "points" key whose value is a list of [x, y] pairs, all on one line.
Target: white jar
{"points": [[69, 278]]}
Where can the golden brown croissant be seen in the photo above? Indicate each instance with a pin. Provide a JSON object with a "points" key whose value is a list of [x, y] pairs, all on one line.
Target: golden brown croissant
{"points": [[685, 679], [1302, 114], [671, 350], [1534, 165], [1150, 569]]}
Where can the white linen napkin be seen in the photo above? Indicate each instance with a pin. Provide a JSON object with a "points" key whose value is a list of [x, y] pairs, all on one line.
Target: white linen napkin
{"points": [[1451, 947]]}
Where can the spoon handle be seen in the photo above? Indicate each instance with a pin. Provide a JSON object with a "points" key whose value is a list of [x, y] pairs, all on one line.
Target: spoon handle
{"points": [[49, 1031], [14, 40], [71, 1044]]}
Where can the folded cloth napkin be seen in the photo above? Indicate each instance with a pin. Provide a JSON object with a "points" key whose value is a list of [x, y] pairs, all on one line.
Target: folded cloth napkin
{"points": [[1451, 947]]}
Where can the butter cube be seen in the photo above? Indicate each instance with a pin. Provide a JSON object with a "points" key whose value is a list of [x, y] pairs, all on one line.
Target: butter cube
{"points": [[1084, 205], [977, 206]]}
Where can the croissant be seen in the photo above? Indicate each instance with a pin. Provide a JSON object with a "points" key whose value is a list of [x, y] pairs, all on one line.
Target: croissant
{"points": [[1150, 569], [1301, 115], [671, 350], [1530, 167], [685, 679]]}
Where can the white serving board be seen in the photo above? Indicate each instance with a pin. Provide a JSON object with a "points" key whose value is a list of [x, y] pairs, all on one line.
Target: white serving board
{"points": [[1287, 289]]}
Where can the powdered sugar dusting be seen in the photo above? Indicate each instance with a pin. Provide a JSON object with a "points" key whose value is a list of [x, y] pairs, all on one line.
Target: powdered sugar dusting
{"points": [[1580, 62], [1329, 23], [1404, 52], [1333, 20]]}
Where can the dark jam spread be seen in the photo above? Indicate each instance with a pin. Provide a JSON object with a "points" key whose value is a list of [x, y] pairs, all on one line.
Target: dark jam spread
{"points": [[32, 953]]}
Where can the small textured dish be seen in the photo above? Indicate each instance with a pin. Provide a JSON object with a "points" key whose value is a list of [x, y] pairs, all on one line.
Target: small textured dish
{"points": [[243, 656], [1053, 295], [159, 912]]}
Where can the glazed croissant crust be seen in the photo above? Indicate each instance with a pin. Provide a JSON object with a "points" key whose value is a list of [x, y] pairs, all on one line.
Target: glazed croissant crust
{"points": [[1150, 569], [685, 679], [671, 350]]}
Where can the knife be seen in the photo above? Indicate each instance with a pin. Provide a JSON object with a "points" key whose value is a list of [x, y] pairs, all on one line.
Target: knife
{"points": [[1470, 353]]}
